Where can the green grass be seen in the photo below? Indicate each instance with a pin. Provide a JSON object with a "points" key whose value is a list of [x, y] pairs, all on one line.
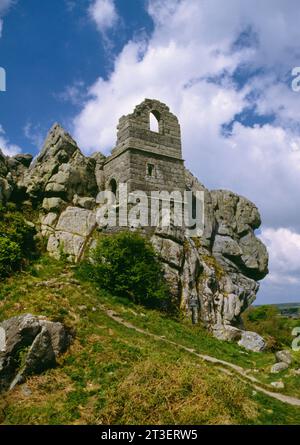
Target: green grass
{"points": [[114, 375]]}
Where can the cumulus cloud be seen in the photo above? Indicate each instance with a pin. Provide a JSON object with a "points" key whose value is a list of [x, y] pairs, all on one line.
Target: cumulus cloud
{"points": [[104, 14], [7, 148], [284, 247]]}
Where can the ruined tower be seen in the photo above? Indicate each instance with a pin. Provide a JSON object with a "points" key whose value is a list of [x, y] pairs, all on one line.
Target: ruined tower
{"points": [[147, 160]]}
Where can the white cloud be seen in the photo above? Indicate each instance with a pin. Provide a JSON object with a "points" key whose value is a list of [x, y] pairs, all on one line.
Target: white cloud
{"points": [[284, 250], [104, 14], [6, 147]]}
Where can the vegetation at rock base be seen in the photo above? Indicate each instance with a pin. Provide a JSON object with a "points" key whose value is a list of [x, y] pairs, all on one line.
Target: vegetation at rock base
{"points": [[127, 265], [213, 262], [17, 245], [266, 321], [113, 374]]}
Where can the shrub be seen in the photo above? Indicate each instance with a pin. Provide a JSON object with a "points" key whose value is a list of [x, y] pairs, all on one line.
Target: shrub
{"points": [[10, 256], [126, 265], [16, 240]]}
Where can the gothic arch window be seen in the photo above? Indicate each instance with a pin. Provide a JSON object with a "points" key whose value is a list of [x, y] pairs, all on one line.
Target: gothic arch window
{"points": [[154, 121]]}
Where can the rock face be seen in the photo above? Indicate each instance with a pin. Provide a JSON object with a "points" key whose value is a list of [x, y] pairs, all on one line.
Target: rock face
{"points": [[60, 172], [219, 270], [12, 172], [72, 232], [29, 345]]}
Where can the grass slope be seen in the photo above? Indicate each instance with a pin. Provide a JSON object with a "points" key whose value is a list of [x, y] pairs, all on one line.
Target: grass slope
{"points": [[114, 375]]}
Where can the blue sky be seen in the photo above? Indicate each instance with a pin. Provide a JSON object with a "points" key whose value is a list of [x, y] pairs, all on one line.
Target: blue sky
{"points": [[226, 73], [47, 46]]}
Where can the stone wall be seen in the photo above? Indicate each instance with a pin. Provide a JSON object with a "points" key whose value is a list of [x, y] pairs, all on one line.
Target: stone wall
{"points": [[153, 172], [134, 130], [117, 168], [147, 160]]}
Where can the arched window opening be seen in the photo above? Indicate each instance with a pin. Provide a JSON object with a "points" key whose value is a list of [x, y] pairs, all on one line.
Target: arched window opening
{"points": [[154, 121], [150, 169], [113, 186]]}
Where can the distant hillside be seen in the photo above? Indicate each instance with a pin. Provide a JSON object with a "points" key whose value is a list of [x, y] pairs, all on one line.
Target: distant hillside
{"points": [[283, 307], [291, 310], [287, 305]]}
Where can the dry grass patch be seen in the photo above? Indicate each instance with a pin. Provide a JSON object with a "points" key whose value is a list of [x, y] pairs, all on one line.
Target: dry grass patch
{"points": [[156, 392]]}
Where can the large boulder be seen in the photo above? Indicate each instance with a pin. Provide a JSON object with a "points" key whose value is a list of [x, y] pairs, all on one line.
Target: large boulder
{"points": [[252, 341], [235, 244], [228, 333], [29, 345], [279, 367], [284, 356]]}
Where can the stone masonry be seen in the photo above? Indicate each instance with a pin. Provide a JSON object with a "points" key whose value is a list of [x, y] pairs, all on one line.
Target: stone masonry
{"points": [[144, 159]]}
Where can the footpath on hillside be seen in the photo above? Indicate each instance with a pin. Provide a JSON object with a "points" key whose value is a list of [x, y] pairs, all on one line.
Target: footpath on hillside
{"points": [[222, 364]]}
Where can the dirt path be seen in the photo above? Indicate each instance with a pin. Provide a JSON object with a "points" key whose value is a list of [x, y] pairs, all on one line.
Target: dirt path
{"points": [[242, 373]]}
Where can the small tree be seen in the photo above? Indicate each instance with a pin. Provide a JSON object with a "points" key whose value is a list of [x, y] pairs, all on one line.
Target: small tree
{"points": [[126, 265]]}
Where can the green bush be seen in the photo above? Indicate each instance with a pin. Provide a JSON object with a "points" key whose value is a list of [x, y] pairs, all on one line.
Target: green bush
{"points": [[266, 321], [16, 240], [126, 265], [10, 256]]}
